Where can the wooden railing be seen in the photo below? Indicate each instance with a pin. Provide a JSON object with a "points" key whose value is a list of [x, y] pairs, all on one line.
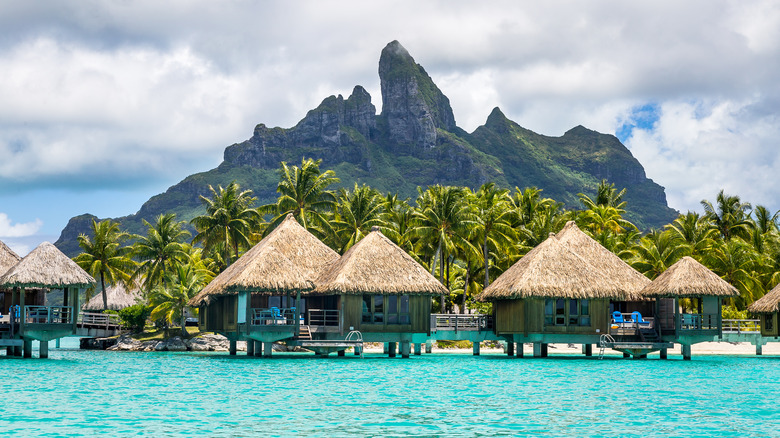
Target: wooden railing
{"points": [[107, 321], [48, 315], [741, 326], [458, 322], [321, 317], [698, 321], [273, 316]]}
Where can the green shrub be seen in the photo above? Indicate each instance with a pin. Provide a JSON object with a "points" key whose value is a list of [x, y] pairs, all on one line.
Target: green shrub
{"points": [[134, 317], [730, 312]]}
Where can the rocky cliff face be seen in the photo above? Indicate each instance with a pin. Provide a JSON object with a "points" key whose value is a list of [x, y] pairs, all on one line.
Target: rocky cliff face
{"points": [[412, 105], [413, 142]]}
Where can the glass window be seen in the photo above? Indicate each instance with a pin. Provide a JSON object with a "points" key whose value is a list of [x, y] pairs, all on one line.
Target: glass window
{"points": [[367, 307], [574, 312], [379, 308], [560, 311], [548, 311], [392, 309], [403, 317], [274, 301], [584, 307], [769, 322]]}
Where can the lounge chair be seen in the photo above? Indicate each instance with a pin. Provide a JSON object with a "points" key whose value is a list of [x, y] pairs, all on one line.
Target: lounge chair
{"points": [[617, 317], [637, 318]]}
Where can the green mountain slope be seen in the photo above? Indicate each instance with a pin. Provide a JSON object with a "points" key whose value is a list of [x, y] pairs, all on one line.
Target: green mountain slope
{"points": [[413, 142]]}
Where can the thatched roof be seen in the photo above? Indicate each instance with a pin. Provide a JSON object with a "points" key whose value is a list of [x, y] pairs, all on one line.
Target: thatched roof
{"points": [[117, 296], [46, 267], [286, 260], [552, 270], [604, 261], [376, 265], [8, 258], [688, 278], [769, 303]]}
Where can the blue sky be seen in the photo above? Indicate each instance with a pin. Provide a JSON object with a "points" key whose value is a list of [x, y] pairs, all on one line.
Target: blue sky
{"points": [[104, 104]]}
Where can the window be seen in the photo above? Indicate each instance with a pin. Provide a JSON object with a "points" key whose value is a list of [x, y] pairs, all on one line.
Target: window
{"points": [[564, 312], [769, 322], [390, 309]]}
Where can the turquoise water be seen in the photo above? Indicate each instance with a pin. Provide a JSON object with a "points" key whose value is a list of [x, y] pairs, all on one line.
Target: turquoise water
{"points": [[212, 394]]}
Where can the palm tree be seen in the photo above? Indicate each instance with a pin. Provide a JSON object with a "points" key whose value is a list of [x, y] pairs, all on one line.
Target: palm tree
{"points": [[606, 195], [228, 221], [104, 256], [730, 215], [357, 212], [160, 249], [304, 194], [397, 216], [694, 231], [493, 218], [735, 261], [169, 301], [443, 222], [656, 252]]}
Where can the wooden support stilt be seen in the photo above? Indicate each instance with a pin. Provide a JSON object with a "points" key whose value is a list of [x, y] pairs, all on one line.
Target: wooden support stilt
{"points": [[27, 348], [250, 347], [18, 350], [428, 347], [391, 349], [57, 343], [268, 348], [663, 353], [44, 350], [759, 348], [417, 349], [626, 355], [519, 350], [475, 348], [233, 348], [510, 348], [544, 350], [258, 348], [341, 353], [386, 348], [588, 350], [686, 352], [537, 349], [406, 348], [356, 349]]}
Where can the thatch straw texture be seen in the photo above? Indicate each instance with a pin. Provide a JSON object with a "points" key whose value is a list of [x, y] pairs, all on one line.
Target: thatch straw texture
{"points": [[46, 267], [688, 278], [287, 260], [118, 298], [605, 262], [376, 265], [552, 270], [8, 258], [769, 303]]}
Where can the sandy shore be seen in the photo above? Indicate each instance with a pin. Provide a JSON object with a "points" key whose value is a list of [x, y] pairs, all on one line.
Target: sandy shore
{"points": [[705, 348]]}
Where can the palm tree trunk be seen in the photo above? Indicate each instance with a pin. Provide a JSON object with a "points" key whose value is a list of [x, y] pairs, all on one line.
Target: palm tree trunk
{"points": [[183, 323], [441, 279], [487, 261], [465, 287], [103, 287]]}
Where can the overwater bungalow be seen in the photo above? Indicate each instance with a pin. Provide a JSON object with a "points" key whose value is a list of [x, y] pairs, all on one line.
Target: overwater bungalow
{"points": [[378, 289], [704, 290], [259, 297], [117, 297], [554, 295], [44, 269], [768, 310], [8, 258]]}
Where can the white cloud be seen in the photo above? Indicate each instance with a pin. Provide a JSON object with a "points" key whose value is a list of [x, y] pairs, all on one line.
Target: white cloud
{"points": [[9, 229]]}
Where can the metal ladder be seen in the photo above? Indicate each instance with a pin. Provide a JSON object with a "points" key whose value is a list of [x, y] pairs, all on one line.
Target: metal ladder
{"points": [[605, 338], [356, 336]]}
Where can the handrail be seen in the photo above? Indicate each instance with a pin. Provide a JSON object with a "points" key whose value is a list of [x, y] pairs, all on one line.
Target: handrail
{"points": [[273, 316], [741, 326], [48, 314], [457, 321], [101, 320], [698, 321], [323, 317]]}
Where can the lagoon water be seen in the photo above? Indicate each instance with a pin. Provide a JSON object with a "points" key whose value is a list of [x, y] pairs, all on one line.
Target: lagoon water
{"points": [[75, 393]]}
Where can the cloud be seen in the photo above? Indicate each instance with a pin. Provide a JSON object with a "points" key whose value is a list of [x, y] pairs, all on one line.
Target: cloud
{"points": [[8, 229]]}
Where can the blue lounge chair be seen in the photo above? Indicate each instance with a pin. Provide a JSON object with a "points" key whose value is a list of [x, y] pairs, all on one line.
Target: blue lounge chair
{"points": [[637, 318], [617, 317]]}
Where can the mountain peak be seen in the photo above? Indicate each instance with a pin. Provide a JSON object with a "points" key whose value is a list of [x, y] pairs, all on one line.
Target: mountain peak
{"points": [[412, 104]]}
